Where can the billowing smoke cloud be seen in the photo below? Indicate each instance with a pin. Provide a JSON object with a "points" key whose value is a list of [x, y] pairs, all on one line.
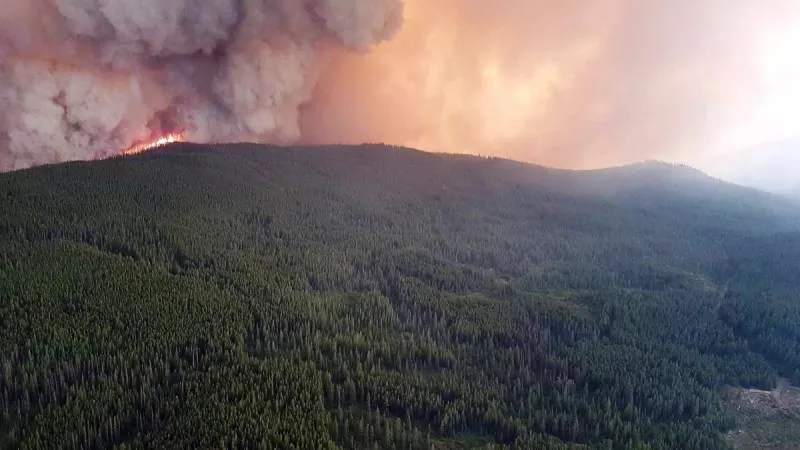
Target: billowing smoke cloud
{"points": [[87, 78], [571, 83]]}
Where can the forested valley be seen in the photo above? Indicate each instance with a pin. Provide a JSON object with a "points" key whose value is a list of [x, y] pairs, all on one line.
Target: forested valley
{"points": [[364, 297]]}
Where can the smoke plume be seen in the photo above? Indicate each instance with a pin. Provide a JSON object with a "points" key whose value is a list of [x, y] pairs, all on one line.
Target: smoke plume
{"points": [[572, 83], [87, 78]]}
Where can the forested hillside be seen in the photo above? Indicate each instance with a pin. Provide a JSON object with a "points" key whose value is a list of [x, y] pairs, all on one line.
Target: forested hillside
{"points": [[374, 297]]}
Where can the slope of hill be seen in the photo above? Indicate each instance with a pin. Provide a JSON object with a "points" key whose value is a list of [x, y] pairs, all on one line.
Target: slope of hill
{"points": [[771, 166], [360, 297]]}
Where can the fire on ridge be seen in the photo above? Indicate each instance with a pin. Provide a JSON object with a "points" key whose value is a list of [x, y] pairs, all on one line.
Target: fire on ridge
{"points": [[154, 143]]}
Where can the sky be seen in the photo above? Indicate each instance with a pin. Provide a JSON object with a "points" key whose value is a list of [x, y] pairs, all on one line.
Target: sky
{"points": [[573, 83]]}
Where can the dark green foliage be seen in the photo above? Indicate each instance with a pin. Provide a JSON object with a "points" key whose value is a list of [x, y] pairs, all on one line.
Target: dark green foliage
{"points": [[373, 297]]}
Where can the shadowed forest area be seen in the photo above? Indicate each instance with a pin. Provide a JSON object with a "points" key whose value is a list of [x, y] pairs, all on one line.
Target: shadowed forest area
{"points": [[379, 297]]}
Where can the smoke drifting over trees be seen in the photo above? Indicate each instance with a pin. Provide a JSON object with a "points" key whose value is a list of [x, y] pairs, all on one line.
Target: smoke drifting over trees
{"points": [[86, 78]]}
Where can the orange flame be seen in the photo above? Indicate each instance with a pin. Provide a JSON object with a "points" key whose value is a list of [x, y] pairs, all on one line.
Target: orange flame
{"points": [[153, 143]]}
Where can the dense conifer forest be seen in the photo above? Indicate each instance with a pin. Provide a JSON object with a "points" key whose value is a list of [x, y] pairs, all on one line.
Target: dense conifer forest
{"points": [[376, 297]]}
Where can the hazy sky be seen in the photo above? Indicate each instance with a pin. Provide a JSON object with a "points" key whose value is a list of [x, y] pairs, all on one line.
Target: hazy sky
{"points": [[574, 83]]}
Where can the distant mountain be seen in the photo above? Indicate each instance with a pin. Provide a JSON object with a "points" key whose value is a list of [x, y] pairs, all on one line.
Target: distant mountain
{"points": [[774, 167], [244, 296]]}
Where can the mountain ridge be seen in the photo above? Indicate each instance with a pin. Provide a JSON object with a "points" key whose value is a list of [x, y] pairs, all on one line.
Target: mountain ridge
{"points": [[649, 171], [386, 297]]}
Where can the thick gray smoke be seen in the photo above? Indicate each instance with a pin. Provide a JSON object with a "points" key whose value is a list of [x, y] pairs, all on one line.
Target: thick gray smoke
{"points": [[83, 79]]}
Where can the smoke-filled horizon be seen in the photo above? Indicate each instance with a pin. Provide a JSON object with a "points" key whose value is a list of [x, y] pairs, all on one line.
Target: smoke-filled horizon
{"points": [[570, 84]]}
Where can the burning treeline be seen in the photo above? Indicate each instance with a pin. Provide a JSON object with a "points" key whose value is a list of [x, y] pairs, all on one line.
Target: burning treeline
{"points": [[88, 78]]}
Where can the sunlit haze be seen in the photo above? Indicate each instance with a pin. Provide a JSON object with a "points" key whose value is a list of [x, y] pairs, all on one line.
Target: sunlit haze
{"points": [[581, 84]]}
